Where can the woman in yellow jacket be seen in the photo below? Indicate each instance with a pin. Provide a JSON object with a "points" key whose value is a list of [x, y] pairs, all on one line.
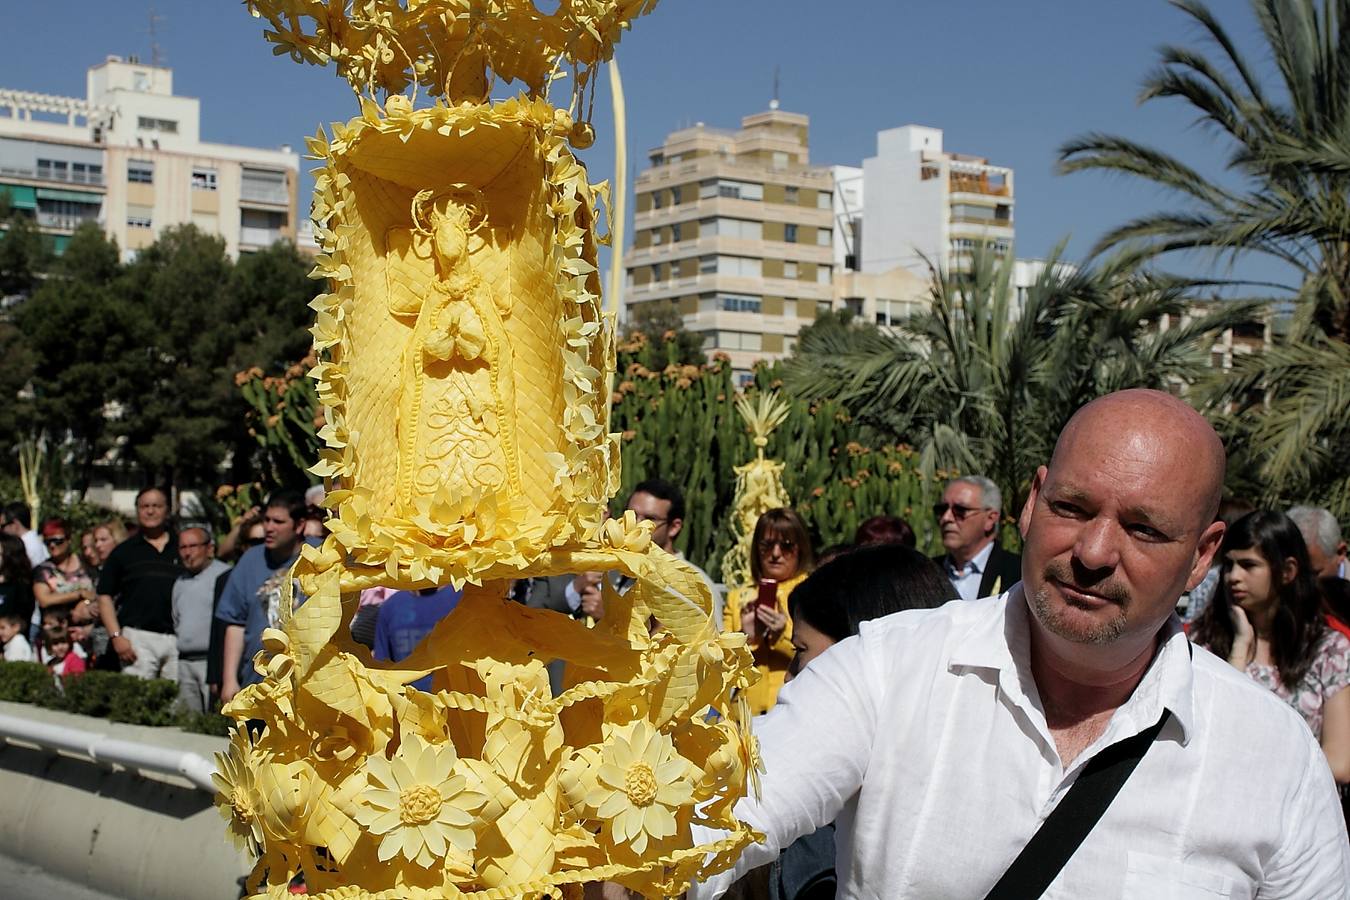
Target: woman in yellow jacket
{"points": [[781, 551]]}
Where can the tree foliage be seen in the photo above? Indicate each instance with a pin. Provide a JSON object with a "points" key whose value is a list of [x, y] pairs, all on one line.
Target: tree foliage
{"points": [[1282, 192], [136, 362], [981, 385]]}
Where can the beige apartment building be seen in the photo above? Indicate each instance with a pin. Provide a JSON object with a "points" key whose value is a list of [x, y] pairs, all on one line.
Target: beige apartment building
{"points": [[733, 228], [129, 156]]}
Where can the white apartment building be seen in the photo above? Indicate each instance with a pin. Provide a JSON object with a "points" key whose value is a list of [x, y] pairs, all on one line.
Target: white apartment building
{"points": [[129, 156]]}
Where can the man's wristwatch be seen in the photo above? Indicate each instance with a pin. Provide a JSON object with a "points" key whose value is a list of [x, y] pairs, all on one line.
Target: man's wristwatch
{"points": [[115, 635]]}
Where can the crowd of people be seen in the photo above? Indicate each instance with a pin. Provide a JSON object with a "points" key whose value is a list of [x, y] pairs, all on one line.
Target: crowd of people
{"points": [[968, 692]]}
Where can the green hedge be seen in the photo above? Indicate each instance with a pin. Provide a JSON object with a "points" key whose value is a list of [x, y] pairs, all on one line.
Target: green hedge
{"points": [[105, 695]]}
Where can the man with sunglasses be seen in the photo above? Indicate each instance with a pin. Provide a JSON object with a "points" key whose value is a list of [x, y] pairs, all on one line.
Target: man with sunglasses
{"points": [[968, 520]]}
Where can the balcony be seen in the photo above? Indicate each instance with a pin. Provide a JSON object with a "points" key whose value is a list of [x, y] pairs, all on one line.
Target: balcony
{"points": [[259, 237], [267, 195], [55, 177], [978, 184], [63, 221]]}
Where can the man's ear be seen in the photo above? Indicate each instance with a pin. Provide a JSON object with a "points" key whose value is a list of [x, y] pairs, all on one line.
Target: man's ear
{"points": [[1037, 482], [674, 527], [1208, 545]]}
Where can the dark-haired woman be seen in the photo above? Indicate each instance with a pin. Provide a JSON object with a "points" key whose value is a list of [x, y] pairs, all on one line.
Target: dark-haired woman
{"points": [[16, 578], [780, 552], [1267, 620]]}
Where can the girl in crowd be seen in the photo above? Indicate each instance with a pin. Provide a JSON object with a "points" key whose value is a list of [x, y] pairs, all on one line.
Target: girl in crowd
{"points": [[780, 551], [1267, 620]]}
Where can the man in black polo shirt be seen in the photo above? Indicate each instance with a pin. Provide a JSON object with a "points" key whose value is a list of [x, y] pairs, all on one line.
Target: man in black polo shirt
{"points": [[135, 592]]}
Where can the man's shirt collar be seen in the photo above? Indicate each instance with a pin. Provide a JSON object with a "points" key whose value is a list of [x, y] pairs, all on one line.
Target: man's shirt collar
{"points": [[1003, 644]]}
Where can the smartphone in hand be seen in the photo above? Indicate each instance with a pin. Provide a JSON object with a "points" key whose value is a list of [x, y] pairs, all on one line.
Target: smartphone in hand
{"points": [[768, 594]]}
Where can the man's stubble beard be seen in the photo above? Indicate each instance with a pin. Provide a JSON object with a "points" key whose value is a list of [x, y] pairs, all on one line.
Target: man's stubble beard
{"points": [[1052, 617]]}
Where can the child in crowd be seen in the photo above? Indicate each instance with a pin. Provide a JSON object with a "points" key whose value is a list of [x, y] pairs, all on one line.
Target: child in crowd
{"points": [[59, 653], [12, 626]]}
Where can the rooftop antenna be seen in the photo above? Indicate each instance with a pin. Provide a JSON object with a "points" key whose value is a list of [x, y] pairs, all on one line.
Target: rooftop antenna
{"points": [[156, 52], [773, 104]]}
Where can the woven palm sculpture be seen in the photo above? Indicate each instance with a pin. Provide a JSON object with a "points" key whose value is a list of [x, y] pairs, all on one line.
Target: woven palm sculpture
{"points": [[759, 485], [464, 369]]}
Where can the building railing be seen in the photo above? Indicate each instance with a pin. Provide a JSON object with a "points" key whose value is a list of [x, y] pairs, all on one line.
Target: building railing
{"points": [[63, 222], [984, 186], [260, 194], [976, 220], [259, 237], [93, 178]]}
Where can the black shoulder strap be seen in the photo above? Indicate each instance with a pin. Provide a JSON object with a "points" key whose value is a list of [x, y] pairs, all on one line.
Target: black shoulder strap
{"points": [[1069, 824]]}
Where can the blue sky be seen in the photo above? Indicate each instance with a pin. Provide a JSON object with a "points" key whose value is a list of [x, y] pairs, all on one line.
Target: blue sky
{"points": [[1010, 81]]}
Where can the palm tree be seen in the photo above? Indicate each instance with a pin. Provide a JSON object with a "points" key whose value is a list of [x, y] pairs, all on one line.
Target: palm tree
{"points": [[1287, 197], [981, 383]]}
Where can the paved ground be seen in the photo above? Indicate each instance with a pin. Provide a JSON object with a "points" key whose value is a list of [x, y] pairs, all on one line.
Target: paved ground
{"points": [[23, 881]]}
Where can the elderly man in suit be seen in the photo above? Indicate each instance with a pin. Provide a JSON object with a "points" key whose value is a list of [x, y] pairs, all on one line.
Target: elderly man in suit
{"points": [[968, 519]]}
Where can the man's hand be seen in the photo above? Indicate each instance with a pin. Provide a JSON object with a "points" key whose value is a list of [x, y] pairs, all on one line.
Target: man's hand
{"points": [[84, 610], [587, 586], [125, 652], [228, 688]]}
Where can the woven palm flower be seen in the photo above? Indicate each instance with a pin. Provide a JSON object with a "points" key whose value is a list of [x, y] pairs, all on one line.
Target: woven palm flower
{"points": [[237, 795], [641, 784], [422, 803]]}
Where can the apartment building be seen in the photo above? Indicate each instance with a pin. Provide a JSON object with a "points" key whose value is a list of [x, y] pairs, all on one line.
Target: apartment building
{"points": [[129, 156], [734, 229], [925, 207]]}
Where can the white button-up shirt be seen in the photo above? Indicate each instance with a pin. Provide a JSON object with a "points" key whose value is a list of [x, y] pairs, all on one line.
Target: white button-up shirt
{"points": [[925, 740], [967, 580]]}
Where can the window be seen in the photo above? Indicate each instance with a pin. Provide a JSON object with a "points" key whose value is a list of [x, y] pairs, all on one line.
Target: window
{"points": [[735, 190], [86, 173], [656, 272], [656, 237], [146, 123], [732, 340], [824, 200], [854, 305], [791, 195], [140, 171], [675, 193], [790, 233], [824, 237], [658, 200], [822, 274], [675, 235], [780, 159], [789, 270], [53, 170], [823, 306], [139, 216], [744, 229], [264, 186], [730, 303], [735, 266], [203, 179], [141, 82]]}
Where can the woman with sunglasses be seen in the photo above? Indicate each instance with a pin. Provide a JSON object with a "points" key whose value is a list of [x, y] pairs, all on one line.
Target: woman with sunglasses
{"points": [[62, 583], [779, 554]]}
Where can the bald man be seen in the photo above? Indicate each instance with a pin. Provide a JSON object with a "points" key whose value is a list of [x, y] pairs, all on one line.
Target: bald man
{"points": [[940, 740]]}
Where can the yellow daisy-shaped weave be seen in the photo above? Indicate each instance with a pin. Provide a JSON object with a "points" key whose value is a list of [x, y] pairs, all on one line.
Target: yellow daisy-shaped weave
{"points": [[422, 803], [237, 795], [640, 786]]}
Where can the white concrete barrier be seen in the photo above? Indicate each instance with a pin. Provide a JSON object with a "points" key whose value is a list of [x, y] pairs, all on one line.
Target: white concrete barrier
{"points": [[136, 833]]}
